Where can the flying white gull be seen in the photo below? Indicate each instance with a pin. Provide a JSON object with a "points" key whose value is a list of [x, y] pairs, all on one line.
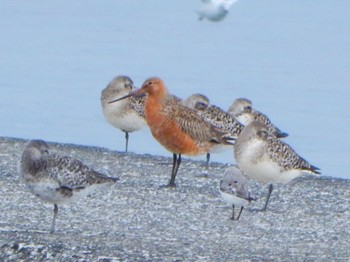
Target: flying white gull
{"points": [[215, 10]]}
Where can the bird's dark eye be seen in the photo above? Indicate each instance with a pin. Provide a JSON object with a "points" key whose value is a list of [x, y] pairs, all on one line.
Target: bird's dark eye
{"points": [[235, 182], [248, 108], [200, 105], [263, 134]]}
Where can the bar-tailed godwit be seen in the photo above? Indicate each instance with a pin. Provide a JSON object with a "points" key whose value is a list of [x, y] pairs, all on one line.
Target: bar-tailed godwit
{"points": [[243, 111], [267, 159], [126, 115], [54, 178], [178, 128]]}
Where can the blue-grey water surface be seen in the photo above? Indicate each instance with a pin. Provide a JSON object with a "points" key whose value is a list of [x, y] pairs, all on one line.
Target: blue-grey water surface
{"points": [[291, 58]]}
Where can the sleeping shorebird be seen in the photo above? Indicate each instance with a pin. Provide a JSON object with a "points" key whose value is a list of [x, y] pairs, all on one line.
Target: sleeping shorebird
{"points": [[215, 116], [243, 111], [267, 159], [126, 115], [57, 179], [215, 10], [176, 127], [234, 190]]}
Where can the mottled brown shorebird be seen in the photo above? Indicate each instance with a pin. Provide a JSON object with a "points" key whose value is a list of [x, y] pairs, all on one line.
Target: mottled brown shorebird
{"points": [[215, 116], [57, 179], [267, 159], [178, 128], [126, 115], [244, 112]]}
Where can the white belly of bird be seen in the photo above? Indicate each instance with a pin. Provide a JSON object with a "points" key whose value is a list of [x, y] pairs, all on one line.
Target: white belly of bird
{"points": [[118, 117], [233, 200], [48, 193], [267, 171], [258, 166]]}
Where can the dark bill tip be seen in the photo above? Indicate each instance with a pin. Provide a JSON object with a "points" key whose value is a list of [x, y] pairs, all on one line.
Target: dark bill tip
{"points": [[118, 99]]}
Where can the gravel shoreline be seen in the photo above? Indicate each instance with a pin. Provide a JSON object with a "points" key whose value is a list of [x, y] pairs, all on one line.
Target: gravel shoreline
{"points": [[136, 220]]}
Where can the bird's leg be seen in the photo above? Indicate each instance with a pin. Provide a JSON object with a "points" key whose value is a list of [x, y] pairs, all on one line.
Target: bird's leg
{"points": [[240, 212], [208, 159], [268, 197], [126, 141], [55, 212], [176, 164], [207, 164], [205, 172], [233, 212]]}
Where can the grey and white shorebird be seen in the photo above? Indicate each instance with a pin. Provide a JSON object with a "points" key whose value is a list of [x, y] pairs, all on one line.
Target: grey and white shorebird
{"points": [[244, 112], [234, 190], [128, 114], [267, 159], [215, 10], [55, 178], [215, 116]]}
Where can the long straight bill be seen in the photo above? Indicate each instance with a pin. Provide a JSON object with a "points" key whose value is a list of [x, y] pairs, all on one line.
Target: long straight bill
{"points": [[133, 93]]}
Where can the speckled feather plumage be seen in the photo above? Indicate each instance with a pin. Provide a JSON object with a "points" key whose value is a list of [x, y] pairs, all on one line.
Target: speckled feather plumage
{"points": [[242, 109], [219, 118], [63, 171], [285, 156], [68, 172], [137, 103], [260, 117], [214, 115], [269, 147], [192, 124]]}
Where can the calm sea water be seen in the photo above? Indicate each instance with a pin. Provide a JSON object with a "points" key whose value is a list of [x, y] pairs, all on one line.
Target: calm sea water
{"points": [[291, 58]]}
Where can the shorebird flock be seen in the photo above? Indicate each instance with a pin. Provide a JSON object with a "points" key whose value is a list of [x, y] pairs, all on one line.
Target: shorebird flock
{"points": [[190, 127]]}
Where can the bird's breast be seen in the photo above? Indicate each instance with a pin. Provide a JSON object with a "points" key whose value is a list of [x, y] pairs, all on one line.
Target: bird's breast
{"points": [[167, 131]]}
